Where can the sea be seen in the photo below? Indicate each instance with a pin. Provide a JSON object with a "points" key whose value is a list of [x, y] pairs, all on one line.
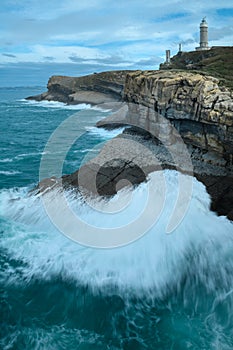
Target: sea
{"points": [[160, 291]]}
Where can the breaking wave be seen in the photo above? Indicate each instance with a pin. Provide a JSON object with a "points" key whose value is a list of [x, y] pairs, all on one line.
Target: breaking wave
{"points": [[152, 264]]}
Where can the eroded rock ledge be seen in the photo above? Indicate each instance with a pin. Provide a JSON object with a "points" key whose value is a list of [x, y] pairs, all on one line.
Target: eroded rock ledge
{"points": [[94, 89], [198, 107]]}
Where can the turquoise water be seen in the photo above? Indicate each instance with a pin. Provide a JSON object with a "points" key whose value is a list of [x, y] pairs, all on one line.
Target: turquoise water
{"points": [[160, 292]]}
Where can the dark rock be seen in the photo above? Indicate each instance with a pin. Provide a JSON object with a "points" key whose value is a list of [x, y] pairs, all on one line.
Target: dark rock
{"points": [[220, 189], [161, 105], [108, 179], [94, 89]]}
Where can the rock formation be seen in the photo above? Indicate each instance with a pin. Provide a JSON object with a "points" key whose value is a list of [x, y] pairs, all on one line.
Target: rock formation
{"points": [[93, 89], [200, 109], [192, 105]]}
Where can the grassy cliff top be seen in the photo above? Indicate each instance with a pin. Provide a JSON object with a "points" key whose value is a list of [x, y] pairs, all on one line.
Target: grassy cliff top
{"points": [[218, 62]]}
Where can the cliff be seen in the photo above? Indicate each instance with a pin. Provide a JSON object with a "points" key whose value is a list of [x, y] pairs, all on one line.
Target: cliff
{"points": [[196, 107], [94, 89], [200, 109]]}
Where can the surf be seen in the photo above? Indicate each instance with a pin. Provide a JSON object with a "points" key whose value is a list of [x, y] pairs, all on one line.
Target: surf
{"points": [[151, 265]]}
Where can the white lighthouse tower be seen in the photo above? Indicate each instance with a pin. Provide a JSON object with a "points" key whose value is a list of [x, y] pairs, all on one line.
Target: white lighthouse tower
{"points": [[203, 36]]}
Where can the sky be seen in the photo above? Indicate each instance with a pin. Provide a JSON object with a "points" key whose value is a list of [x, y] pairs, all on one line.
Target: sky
{"points": [[40, 38]]}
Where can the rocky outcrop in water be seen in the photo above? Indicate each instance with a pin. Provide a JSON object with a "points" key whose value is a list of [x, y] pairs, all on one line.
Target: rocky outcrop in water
{"points": [[94, 89]]}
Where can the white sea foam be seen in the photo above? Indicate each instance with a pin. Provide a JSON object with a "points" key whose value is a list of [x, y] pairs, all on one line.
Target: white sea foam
{"points": [[104, 133], [32, 154], [100, 109], [6, 160], [22, 155], [62, 105], [202, 243], [9, 173], [84, 150], [56, 104]]}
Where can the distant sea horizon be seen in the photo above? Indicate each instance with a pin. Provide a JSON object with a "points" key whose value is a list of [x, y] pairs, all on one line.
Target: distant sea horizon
{"points": [[37, 74], [32, 74]]}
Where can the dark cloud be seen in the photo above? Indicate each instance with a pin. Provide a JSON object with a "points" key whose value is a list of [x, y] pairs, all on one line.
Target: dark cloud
{"points": [[9, 55], [76, 59], [152, 61], [188, 41], [219, 33], [49, 58], [109, 61]]}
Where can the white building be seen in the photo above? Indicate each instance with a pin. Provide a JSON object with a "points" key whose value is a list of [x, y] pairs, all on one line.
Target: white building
{"points": [[203, 36]]}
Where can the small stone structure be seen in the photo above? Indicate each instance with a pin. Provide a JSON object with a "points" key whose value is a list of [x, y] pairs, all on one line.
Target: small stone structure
{"points": [[168, 56]]}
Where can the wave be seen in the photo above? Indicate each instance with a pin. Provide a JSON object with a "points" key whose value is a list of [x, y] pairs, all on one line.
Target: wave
{"points": [[6, 160], [153, 264], [24, 155], [104, 133], [33, 87], [85, 150], [61, 105], [30, 154], [7, 173]]}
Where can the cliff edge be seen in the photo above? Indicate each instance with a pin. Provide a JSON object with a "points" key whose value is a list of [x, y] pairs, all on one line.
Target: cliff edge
{"points": [[218, 62], [196, 105], [95, 88]]}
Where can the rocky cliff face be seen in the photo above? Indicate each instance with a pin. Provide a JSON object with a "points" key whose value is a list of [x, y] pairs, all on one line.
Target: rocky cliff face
{"points": [[200, 109], [197, 107], [94, 88]]}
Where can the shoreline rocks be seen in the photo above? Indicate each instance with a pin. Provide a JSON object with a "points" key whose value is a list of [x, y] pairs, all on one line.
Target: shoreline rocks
{"points": [[196, 105], [93, 89], [167, 105]]}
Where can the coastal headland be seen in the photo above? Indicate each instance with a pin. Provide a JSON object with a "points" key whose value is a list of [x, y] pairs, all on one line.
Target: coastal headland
{"points": [[192, 100]]}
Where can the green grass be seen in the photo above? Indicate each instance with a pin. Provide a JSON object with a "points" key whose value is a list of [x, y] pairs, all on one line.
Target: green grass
{"points": [[218, 62]]}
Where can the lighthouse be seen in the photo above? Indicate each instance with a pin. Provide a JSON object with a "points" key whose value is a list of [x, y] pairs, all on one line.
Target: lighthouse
{"points": [[203, 36]]}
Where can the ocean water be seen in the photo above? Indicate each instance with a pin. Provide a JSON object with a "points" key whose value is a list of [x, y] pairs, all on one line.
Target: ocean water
{"points": [[160, 292]]}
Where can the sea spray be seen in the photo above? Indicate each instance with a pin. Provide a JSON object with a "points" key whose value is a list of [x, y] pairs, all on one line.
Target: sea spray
{"points": [[63, 106], [153, 264]]}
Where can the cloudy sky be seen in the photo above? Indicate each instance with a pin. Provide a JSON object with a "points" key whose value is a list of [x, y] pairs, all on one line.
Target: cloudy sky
{"points": [[74, 37]]}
